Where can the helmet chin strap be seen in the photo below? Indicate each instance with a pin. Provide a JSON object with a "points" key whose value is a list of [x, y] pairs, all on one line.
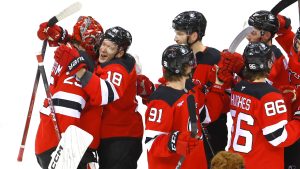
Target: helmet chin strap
{"points": [[191, 44]]}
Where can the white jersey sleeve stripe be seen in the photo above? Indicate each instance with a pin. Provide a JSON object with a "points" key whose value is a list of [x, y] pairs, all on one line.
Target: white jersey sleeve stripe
{"points": [[270, 129], [279, 139], [150, 136], [62, 110], [276, 133], [207, 118], [108, 92], [70, 96], [104, 92]]}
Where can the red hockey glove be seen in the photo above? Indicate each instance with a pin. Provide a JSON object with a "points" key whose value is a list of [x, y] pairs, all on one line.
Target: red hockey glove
{"points": [[284, 24], [54, 34], [232, 61], [70, 60], [288, 93], [182, 143], [225, 75], [144, 86]]}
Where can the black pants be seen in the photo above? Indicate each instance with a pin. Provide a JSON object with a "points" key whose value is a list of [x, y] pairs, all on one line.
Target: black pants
{"points": [[45, 158], [119, 153], [292, 156], [217, 137]]}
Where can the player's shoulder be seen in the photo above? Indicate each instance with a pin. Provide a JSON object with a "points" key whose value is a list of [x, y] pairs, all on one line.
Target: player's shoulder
{"points": [[167, 95], [209, 56], [257, 90], [277, 52], [127, 63]]}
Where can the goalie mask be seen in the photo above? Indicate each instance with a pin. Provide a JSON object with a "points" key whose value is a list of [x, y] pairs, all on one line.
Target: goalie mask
{"points": [[176, 56], [264, 20], [190, 21], [85, 32], [257, 56]]}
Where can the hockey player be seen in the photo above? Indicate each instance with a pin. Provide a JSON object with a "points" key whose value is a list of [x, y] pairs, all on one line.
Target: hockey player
{"points": [[168, 135], [113, 83], [190, 28], [265, 26], [290, 43], [119, 129], [260, 126], [72, 105]]}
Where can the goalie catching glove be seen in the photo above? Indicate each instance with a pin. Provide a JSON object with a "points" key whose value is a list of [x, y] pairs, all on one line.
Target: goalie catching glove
{"points": [[71, 60], [54, 34], [182, 143]]}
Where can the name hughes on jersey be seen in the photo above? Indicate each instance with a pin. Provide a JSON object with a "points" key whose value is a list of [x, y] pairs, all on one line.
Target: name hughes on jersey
{"points": [[241, 102]]}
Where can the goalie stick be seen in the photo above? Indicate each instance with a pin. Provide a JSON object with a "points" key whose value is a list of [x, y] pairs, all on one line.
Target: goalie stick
{"points": [[193, 120], [65, 13]]}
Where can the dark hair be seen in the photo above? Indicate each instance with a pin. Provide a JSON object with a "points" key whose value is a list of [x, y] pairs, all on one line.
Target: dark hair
{"points": [[171, 77], [251, 76]]}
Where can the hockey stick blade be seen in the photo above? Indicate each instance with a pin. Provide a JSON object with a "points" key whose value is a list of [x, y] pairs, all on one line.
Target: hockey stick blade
{"points": [[70, 149], [65, 13], [281, 5], [193, 121], [239, 38]]}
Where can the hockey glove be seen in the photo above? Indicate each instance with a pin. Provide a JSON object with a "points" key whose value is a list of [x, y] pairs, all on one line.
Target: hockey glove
{"points": [[288, 93], [233, 62], [71, 60], [54, 34], [284, 24], [182, 143], [144, 86]]}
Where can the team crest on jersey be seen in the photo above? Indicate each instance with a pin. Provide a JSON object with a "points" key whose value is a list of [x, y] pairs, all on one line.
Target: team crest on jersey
{"points": [[180, 103]]}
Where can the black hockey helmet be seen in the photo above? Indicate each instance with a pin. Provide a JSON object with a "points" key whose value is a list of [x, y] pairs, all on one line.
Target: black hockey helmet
{"points": [[297, 37], [264, 20], [257, 56], [190, 21], [176, 56], [118, 35]]}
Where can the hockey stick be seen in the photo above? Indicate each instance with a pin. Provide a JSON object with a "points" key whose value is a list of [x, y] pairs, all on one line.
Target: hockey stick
{"points": [[239, 38], [65, 13], [281, 5], [49, 96], [193, 120]]}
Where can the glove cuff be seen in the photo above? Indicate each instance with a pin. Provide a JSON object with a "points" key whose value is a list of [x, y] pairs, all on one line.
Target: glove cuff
{"points": [[173, 140], [85, 78], [64, 36]]}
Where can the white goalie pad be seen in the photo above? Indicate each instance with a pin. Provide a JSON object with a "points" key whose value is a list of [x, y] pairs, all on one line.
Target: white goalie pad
{"points": [[70, 149]]}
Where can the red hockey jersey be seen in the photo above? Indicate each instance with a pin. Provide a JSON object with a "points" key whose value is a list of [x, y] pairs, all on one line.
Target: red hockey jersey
{"points": [[205, 61], [70, 103], [278, 74], [115, 83], [167, 111], [260, 127]]}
